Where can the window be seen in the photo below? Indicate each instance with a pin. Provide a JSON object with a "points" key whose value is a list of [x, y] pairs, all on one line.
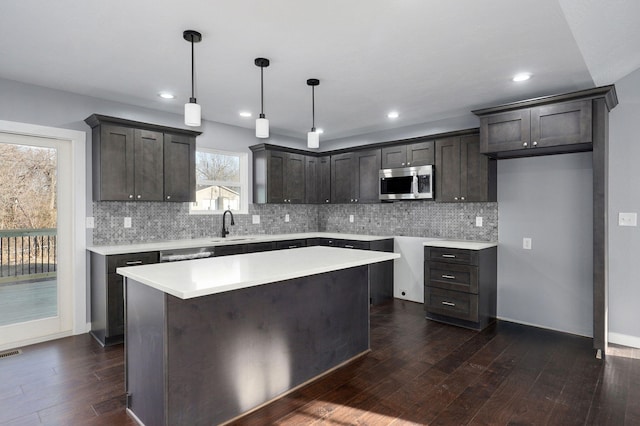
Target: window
{"points": [[221, 182]]}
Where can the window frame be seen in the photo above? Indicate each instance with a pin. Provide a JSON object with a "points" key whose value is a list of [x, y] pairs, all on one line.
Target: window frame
{"points": [[243, 183]]}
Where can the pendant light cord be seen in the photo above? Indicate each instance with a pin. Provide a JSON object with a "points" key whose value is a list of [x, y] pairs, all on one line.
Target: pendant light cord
{"points": [[261, 92], [313, 108], [193, 74]]}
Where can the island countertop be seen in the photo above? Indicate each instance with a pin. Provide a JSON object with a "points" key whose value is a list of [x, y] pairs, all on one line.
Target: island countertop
{"points": [[195, 278]]}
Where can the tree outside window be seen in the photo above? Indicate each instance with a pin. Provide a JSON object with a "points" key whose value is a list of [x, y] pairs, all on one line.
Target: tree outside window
{"points": [[221, 182]]}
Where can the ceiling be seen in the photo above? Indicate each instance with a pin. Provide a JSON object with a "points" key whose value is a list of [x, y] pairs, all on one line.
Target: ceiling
{"points": [[426, 59]]}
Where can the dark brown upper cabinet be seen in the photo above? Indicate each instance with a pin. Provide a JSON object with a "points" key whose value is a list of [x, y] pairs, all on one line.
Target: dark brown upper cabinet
{"points": [[415, 154], [318, 180], [355, 176], [135, 161], [278, 175], [462, 173], [179, 168], [546, 129]]}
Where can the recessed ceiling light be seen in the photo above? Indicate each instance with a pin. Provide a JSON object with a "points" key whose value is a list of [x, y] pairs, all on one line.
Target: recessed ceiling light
{"points": [[393, 114], [319, 131], [166, 95], [523, 76], [245, 114]]}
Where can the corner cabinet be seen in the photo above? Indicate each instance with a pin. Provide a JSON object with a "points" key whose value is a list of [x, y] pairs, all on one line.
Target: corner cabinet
{"points": [[462, 173], [278, 175], [135, 161]]}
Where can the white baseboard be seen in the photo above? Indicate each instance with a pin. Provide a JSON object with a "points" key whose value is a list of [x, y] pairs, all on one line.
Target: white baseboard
{"points": [[624, 340], [544, 327], [27, 342]]}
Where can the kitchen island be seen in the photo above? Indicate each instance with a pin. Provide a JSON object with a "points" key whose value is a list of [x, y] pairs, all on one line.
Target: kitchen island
{"points": [[208, 340]]}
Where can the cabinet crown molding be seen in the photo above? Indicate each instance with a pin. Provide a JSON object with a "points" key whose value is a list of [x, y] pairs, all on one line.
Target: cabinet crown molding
{"points": [[95, 120]]}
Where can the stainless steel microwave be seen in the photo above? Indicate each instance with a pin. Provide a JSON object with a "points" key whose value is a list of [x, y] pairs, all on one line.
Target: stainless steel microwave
{"points": [[406, 183]]}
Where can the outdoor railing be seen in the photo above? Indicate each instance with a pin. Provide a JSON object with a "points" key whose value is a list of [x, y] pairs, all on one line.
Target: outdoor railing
{"points": [[27, 252]]}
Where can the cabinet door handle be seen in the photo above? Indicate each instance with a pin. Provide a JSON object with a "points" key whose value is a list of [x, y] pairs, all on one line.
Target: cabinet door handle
{"points": [[326, 201], [134, 262], [535, 143], [130, 195], [139, 196], [448, 304], [450, 256], [408, 164], [449, 277], [168, 197], [462, 198], [455, 198], [348, 246], [403, 164], [525, 144], [356, 200]]}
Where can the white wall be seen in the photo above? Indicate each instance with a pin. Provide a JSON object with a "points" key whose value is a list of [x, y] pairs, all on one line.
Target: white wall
{"points": [[624, 196], [548, 199]]}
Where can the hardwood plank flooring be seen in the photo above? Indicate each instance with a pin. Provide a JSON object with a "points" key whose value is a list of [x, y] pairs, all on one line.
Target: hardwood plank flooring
{"points": [[419, 372]]}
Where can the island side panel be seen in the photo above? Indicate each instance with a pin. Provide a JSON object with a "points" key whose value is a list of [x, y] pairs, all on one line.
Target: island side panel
{"points": [[230, 352], [145, 352]]}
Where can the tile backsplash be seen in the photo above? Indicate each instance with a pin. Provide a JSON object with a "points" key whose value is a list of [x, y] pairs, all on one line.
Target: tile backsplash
{"points": [[154, 221]]}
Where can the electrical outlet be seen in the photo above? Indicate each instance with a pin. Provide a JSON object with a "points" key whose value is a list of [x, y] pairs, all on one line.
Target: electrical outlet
{"points": [[478, 220], [91, 223], [286, 218], [255, 219], [526, 243], [127, 222], [627, 219], [351, 218]]}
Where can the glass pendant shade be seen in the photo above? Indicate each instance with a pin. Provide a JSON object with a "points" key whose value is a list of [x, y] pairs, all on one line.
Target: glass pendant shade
{"points": [[262, 127], [192, 114], [313, 139]]}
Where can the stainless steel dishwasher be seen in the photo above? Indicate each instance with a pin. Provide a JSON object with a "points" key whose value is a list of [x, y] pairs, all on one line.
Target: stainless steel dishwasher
{"points": [[186, 254]]}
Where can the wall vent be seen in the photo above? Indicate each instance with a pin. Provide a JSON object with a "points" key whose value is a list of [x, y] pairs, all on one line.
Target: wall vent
{"points": [[7, 354]]}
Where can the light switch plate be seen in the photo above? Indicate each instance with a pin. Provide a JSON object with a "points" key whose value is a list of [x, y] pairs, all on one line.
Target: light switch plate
{"points": [[627, 219], [351, 218], [127, 222], [91, 223], [526, 243], [286, 218], [478, 221], [255, 219]]}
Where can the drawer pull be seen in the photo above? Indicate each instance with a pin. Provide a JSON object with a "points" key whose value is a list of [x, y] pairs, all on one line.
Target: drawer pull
{"points": [[450, 256], [449, 277], [448, 304], [348, 246], [134, 262], [293, 246]]}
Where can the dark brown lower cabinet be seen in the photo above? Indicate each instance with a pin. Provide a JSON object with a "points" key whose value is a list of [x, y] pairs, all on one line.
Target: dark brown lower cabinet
{"points": [[107, 296], [460, 286], [381, 277]]}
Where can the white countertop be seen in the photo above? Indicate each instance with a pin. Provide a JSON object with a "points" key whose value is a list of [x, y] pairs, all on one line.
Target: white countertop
{"points": [[217, 241], [458, 244], [194, 278]]}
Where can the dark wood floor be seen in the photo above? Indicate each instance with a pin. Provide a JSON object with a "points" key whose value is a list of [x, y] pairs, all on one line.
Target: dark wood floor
{"points": [[419, 372]]}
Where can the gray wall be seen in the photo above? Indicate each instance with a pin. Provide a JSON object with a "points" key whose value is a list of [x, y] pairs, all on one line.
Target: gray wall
{"points": [[624, 196], [548, 199]]}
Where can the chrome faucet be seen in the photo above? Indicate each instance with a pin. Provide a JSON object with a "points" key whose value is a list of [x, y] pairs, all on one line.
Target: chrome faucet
{"points": [[225, 231]]}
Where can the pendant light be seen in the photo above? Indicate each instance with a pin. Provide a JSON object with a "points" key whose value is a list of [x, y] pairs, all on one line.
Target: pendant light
{"points": [[262, 124], [192, 111], [313, 137]]}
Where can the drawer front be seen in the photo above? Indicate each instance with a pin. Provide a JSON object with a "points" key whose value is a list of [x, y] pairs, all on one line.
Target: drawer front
{"points": [[467, 257], [289, 244], [450, 276], [451, 303], [133, 259], [352, 244]]}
